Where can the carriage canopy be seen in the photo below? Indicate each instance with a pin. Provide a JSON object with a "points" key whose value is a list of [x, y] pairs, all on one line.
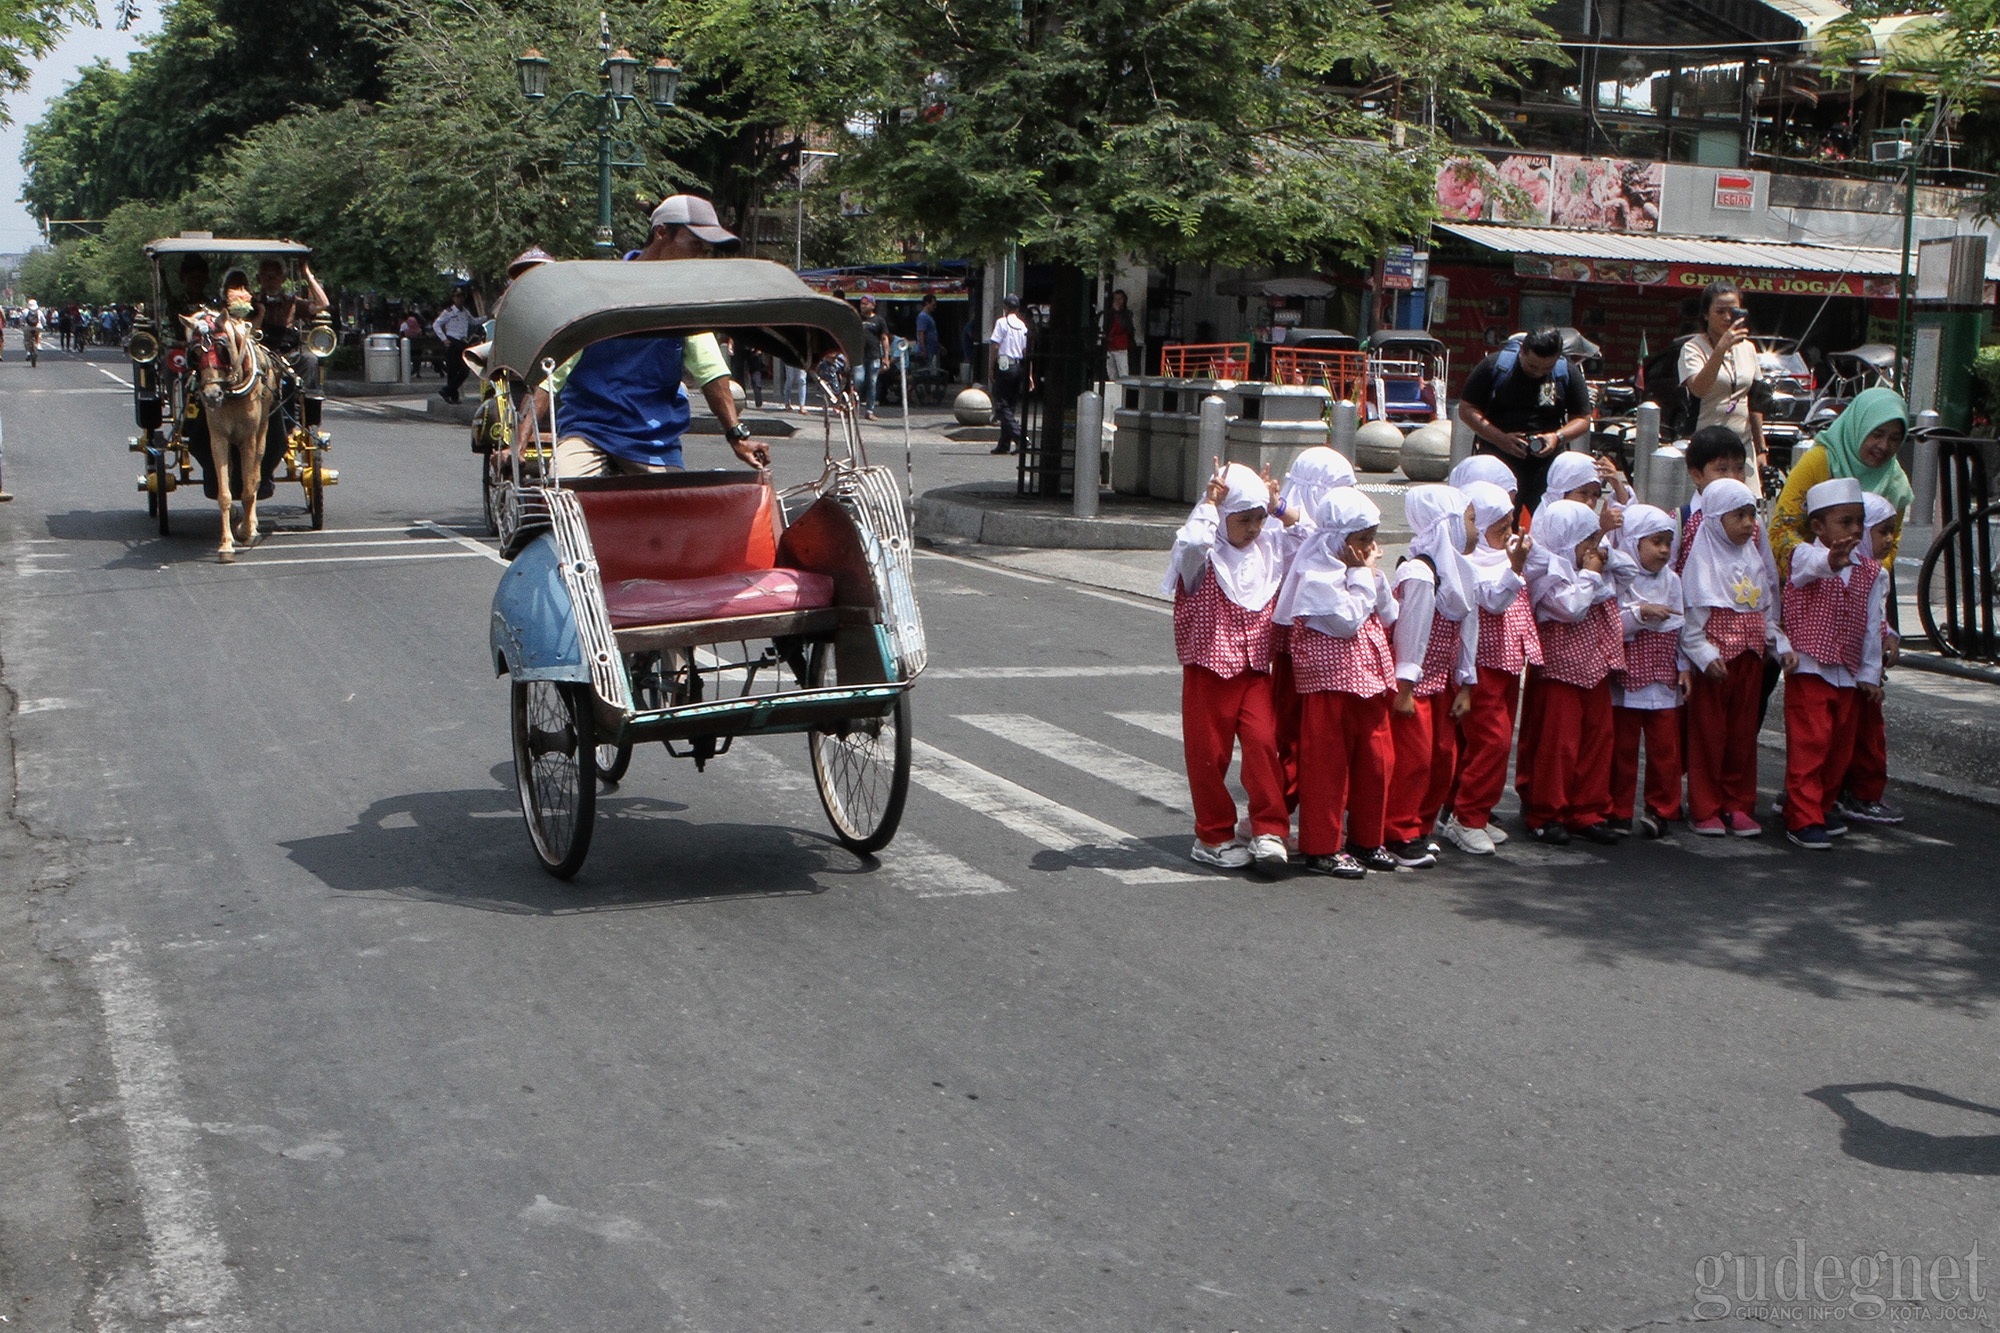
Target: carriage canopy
{"points": [[554, 311], [226, 245]]}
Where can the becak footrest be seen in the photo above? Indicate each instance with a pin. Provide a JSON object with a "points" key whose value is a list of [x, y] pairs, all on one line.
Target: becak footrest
{"points": [[715, 597]]}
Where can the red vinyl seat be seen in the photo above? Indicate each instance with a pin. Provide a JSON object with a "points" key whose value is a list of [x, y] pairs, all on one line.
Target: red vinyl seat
{"points": [[759, 592]]}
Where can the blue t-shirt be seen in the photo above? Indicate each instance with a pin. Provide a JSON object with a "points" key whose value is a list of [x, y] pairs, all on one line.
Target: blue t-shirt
{"points": [[624, 395], [927, 339]]}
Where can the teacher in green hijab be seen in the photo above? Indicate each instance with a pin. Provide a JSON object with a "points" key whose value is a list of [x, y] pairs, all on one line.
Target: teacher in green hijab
{"points": [[1861, 443]]}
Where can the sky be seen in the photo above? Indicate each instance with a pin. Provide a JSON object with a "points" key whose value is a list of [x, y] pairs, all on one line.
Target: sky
{"points": [[18, 229]]}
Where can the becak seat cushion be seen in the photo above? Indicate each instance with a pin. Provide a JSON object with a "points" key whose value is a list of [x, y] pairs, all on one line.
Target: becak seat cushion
{"points": [[755, 592]]}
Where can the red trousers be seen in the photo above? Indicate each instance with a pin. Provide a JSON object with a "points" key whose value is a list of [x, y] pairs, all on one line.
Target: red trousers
{"points": [[1819, 744], [1215, 715], [1722, 740], [1346, 752], [1572, 760], [1487, 736], [1662, 729], [1426, 755], [1868, 771], [1285, 699], [1531, 734]]}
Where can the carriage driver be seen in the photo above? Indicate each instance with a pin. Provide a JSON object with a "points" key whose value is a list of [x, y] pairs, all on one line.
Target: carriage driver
{"points": [[621, 407]]}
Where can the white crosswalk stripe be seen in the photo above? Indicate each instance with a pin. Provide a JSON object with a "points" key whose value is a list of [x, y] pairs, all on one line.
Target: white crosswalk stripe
{"points": [[1160, 724], [1147, 779], [931, 872], [1089, 841]]}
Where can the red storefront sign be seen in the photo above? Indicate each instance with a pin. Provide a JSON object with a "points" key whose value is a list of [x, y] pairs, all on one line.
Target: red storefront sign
{"points": [[1640, 273]]}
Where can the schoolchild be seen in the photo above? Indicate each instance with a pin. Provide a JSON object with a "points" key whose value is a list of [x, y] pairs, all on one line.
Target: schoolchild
{"points": [[1646, 696], [1313, 474], [1576, 614], [1507, 643], [1868, 772], [1715, 453]]}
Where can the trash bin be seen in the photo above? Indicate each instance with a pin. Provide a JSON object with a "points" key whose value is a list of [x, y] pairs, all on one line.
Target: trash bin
{"points": [[382, 358]]}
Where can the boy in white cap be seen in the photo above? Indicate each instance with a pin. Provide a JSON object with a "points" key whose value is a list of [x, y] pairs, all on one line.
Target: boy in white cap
{"points": [[1868, 772], [1833, 617]]}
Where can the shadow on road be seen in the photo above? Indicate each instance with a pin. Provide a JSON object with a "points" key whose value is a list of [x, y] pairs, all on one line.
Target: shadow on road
{"points": [[1870, 1139], [467, 848]]}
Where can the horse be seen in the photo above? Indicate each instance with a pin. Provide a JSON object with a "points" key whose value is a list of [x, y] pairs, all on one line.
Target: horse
{"points": [[239, 391]]}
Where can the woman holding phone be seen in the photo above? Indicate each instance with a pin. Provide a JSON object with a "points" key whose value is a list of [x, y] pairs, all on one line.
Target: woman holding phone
{"points": [[1719, 366]]}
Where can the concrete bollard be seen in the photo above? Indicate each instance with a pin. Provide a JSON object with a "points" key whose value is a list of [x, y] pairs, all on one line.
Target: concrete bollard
{"points": [[1211, 443], [1089, 453], [1346, 420], [1645, 439], [403, 347], [1461, 441], [1924, 474]]}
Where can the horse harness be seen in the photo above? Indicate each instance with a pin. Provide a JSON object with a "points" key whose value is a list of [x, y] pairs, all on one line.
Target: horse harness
{"points": [[219, 342]]}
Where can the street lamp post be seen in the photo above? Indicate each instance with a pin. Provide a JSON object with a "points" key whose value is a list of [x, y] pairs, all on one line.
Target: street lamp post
{"points": [[615, 98]]}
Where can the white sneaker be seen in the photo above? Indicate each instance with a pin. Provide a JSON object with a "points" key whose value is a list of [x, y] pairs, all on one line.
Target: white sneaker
{"points": [[1268, 848], [1471, 841], [1496, 834], [1231, 855]]}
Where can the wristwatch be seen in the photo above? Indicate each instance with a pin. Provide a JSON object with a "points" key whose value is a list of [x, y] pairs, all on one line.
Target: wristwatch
{"points": [[736, 434]]}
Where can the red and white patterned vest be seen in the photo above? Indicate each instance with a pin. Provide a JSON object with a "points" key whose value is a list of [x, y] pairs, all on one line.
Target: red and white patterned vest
{"points": [[1281, 640], [1508, 642], [1652, 657], [1735, 633], [1440, 657], [1827, 618], [1584, 653], [1212, 631], [1687, 541], [1363, 665]]}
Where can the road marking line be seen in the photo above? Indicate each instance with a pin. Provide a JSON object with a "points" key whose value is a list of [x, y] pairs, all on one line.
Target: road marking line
{"points": [[1160, 724], [108, 375], [477, 548], [931, 872], [321, 546], [286, 561], [189, 1270], [1088, 841], [1123, 599], [1137, 775], [1047, 673]]}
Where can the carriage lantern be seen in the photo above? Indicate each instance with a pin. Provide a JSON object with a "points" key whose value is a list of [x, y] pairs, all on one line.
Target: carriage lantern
{"points": [[534, 70], [621, 73], [663, 82], [142, 347]]}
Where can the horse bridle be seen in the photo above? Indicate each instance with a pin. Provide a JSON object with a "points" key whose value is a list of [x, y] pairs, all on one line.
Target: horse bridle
{"points": [[206, 351]]}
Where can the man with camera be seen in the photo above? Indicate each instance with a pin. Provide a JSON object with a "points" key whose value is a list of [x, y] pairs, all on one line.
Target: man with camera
{"points": [[1524, 404]]}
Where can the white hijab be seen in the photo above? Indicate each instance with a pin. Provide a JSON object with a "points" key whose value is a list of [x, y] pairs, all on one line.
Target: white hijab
{"points": [[1247, 575], [1719, 572], [1487, 468], [1490, 504], [1436, 515], [1567, 471], [1314, 473], [1643, 521], [1563, 526], [1318, 568]]}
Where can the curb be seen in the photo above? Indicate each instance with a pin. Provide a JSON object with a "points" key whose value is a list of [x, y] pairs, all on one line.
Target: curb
{"points": [[940, 513], [1948, 666], [1933, 784]]}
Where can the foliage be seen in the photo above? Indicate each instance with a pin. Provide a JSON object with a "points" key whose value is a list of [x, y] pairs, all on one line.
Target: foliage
{"points": [[72, 152], [29, 30], [53, 275], [1986, 383]]}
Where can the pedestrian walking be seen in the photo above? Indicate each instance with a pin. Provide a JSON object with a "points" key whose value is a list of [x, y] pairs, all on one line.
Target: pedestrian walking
{"points": [[1833, 617], [1314, 474], [1009, 374], [1861, 801], [1524, 403], [1340, 608], [1730, 627], [1507, 646], [1120, 337], [453, 327], [1435, 642], [1575, 603], [1646, 696], [1227, 563]]}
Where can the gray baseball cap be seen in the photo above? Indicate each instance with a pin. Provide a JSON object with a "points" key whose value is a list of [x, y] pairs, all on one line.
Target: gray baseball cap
{"points": [[697, 215]]}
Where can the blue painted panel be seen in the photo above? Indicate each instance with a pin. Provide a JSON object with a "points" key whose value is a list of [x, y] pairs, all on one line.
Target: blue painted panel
{"points": [[534, 624]]}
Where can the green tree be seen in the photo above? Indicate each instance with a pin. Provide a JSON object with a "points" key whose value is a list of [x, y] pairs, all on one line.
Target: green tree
{"points": [[53, 275], [113, 262], [29, 30], [69, 152]]}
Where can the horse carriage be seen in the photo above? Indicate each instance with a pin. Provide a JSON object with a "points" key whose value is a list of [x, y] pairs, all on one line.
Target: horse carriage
{"points": [[693, 608], [193, 369]]}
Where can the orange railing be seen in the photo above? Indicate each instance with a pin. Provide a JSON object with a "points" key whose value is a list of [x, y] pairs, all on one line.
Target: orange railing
{"points": [[1342, 374], [1205, 361]]}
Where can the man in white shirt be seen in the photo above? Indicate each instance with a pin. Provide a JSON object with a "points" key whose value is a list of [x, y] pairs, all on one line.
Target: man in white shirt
{"points": [[1008, 371], [453, 326]]}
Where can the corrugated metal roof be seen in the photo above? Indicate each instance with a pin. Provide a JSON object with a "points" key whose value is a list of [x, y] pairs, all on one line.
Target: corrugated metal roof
{"points": [[1774, 256], [1810, 12]]}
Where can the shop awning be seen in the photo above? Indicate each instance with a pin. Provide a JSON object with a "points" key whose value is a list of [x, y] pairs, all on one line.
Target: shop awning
{"points": [[1778, 267]]}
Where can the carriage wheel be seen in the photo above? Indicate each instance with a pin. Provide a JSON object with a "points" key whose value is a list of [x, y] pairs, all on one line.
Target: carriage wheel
{"points": [[489, 495], [862, 768], [158, 464], [555, 766], [612, 761], [316, 489]]}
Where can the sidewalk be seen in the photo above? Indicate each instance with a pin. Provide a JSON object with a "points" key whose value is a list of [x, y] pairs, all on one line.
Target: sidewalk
{"points": [[1944, 729]]}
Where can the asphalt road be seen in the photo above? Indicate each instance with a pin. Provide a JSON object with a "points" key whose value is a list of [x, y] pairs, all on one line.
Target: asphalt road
{"points": [[294, 1035]]}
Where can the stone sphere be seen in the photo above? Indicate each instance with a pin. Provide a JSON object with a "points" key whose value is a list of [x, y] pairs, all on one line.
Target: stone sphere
{"points": [[1378, 447], [972, 407], [1427, 452], [737, 395]]}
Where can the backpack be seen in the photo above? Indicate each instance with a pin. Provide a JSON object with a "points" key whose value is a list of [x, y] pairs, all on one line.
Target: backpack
{"points": [[1510, 355]]}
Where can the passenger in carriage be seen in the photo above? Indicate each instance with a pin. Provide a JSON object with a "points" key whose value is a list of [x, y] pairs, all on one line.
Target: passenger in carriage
{"points": [[281, 316], [620, 404]]}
